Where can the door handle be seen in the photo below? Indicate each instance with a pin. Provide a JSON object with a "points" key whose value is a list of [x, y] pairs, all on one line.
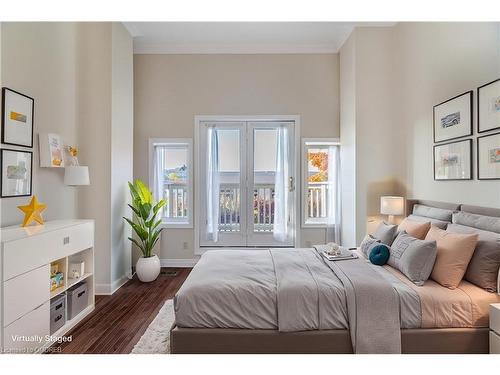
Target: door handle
{"points": [[291, 184]]}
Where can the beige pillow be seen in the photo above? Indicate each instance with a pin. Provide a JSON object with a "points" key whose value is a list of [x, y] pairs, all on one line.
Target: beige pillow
{"points": [[414, 228], [454, 252]]}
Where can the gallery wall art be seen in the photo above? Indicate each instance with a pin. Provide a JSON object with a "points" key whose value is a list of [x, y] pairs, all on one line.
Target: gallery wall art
{"points": [[452, 119], [488, 107], [488, 157], [17, 118], [17, 173], [453, 161]]}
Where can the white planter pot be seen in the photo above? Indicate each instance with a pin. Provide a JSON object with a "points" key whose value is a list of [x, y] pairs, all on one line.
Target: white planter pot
{"points": [[148, 269]]}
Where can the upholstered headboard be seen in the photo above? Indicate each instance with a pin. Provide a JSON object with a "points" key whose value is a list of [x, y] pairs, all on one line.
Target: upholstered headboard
{"points": [[476, 210], [486, 211], [443, 205]]}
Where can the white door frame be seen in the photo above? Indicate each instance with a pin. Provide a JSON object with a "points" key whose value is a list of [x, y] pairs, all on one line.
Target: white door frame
{"points": [[197, 179]]}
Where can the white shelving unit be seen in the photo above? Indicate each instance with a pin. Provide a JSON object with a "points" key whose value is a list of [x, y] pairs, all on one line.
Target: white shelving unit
{"points": [[25, 295]]}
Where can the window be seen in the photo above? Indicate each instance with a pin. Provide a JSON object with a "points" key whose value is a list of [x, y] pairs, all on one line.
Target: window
{"points": [[320, 182], [171, 179]]}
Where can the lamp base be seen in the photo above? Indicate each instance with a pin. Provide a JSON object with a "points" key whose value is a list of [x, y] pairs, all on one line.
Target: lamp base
{"points": [[390, 219]]}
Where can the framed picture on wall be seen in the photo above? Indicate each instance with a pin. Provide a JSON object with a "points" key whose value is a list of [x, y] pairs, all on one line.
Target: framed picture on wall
{"points": [[453, 161], [452, 119], [488, 107], [488, 157], [16, 177], [17, 118]]}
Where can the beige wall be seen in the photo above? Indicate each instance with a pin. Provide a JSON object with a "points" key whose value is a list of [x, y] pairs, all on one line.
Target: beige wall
{"points": [[380, 157], [38, 59], [372, 157], [81, 76], [390, 80], [105, 131], [170, 90], [437, 61], [94, 98], [122, 146], [348, 140]]}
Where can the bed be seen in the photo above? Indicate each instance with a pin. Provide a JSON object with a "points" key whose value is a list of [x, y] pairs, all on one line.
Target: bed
{"points": [[292, 301]]}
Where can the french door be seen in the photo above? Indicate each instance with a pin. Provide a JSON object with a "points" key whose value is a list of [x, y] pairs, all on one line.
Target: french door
{"points": [[249, 168]]}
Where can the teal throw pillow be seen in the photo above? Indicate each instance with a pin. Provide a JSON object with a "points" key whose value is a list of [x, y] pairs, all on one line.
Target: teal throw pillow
{"points": [[379, 254]]}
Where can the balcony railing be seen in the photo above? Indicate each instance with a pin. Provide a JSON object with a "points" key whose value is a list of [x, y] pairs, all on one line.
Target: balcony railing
{"points": [[176, 196], [317, 200], [230, 205], [229, 208]]}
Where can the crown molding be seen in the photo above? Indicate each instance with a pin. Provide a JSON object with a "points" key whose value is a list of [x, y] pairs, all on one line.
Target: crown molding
{"points": [[144, 47]]}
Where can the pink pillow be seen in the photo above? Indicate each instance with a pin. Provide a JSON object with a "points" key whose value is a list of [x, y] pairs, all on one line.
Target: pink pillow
{"points": [[414, 228], [454, 252]]}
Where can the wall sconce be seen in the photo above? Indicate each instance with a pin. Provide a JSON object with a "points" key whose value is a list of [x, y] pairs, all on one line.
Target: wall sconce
{"points": [[76, 175]]}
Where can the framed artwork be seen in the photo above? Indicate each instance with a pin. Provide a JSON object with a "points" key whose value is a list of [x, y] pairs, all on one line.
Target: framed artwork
{"points": [[488, 107], [17, 118], [453, 161], [51, 150], [16, 177], [452, 119], [488, 157]]}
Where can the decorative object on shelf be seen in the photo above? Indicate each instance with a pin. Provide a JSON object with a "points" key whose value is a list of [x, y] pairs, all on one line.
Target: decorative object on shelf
{"points": [[76, 270], [453, 118], [17, 118], [56, 276], [488, 107], [453, 161], [147, 228], [72, 152], [392, 206], [32, 212], [16, 177], [51, 150], [56, 281], [488, 157]]}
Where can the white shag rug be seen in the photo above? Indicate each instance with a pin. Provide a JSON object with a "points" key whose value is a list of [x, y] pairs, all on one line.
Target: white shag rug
{"points": [[156, 339]]}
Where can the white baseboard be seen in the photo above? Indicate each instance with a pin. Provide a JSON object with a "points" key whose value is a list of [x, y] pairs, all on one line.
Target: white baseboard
{"points": [[109, 289], [181, 263]]}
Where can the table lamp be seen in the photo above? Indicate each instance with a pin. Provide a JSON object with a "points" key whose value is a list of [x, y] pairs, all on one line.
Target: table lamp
{"points": [[392, 206]]}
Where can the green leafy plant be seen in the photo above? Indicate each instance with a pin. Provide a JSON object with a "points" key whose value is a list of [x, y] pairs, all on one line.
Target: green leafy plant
{"points": [[145, 223]]}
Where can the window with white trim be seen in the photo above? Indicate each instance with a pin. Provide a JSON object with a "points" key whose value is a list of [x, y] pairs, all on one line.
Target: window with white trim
{"points": [[320, 196], [171, 179]]}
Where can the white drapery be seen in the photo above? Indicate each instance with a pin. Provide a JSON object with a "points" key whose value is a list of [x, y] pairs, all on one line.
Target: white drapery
{"points": [[213, 185], [159, 175], [334, 212], [280, 227]]}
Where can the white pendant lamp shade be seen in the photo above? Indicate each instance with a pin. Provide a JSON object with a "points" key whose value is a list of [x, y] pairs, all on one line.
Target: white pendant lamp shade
{"points": [[76, 175]]}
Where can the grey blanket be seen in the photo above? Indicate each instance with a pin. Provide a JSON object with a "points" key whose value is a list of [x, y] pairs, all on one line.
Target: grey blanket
{"points": [[373, 307]]}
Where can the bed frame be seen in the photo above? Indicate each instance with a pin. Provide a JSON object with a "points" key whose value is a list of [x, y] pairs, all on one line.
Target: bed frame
{"points": [[413, 341], [248, 341]]}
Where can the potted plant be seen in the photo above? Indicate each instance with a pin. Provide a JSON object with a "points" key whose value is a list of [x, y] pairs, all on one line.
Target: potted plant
{"points": [[147, 229]]}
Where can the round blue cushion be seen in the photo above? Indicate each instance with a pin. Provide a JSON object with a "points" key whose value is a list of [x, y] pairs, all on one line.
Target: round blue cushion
{"points": [[379, 255]]}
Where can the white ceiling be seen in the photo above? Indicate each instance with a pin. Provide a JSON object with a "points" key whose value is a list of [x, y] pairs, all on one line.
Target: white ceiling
{"points": [[241, 37]]}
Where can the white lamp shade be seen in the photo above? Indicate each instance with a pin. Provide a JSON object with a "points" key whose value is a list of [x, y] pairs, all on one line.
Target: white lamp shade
{"points": [[392, 205], [76, 175]]}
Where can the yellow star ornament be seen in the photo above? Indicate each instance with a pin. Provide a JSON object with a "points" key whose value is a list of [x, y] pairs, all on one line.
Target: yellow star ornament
{"points": [[32, 212]]}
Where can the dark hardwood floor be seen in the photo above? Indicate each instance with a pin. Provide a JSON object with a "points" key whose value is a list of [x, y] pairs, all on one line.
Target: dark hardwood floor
{"points": [[118, 321]]}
